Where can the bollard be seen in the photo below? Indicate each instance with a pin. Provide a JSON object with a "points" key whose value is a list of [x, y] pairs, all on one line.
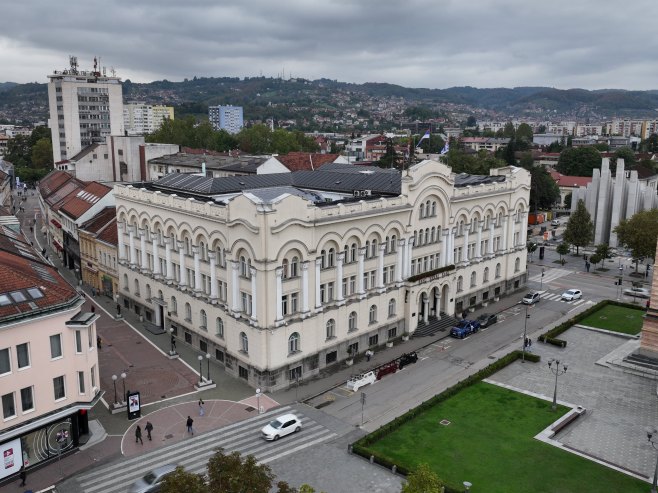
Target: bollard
{"points": [[394, 469], [372, 459], [349, 448]]}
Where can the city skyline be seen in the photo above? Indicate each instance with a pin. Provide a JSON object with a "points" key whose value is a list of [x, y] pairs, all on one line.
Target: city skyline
{"points": [[506, 43]]}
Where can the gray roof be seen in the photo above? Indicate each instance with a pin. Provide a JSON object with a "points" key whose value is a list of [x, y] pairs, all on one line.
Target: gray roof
{"points": [[244, 164], [465, 180]]}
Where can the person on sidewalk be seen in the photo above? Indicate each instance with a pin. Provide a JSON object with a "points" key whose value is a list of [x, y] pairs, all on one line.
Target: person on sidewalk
{"points": [[149, 429], [189, 424], [138, 435], [202, 411], [22, 476]]}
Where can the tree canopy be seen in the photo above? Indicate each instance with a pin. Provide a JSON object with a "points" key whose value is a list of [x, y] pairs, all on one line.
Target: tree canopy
{"points": [[580, 229], [422, 480], [578, 161], [639, 233]]}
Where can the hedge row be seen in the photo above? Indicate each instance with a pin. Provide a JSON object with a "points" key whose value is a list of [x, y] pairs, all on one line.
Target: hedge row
{"points": [[550, 337], [360, 447]]}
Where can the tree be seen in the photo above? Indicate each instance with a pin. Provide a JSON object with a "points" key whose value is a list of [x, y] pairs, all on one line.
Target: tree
{"points": [[639, 233], [596, 259], [509, 131], [578, 161], [42, 154], [580, 229], [531, 247], [422, 480], [390, 159], [181, 480], [603, 250], [567, 200], [544, 192], [562, 249], [625, 153], [524, 134], [471, 121], [651, 144]]}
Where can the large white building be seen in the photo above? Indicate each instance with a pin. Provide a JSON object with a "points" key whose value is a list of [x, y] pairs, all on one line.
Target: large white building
{"points": [[281, 275], [142, 118], [229, 118], [85, 107]]}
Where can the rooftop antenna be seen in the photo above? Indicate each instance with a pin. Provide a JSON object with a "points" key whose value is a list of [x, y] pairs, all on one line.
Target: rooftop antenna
{"points": [[73, 61], [113, 72]]}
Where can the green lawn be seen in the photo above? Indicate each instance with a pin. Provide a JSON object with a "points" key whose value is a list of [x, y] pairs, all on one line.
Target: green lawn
{"points": [[489, 443], [617, 319]]}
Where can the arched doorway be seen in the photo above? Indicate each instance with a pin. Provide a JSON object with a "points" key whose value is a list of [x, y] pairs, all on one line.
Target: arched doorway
{"points": [[445, 293]]}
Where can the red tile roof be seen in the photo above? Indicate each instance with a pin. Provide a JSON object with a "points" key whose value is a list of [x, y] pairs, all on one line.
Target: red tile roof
{"points": [[306, 161], [110, 233], [100, 220], [52, 182], [79, 203], [569, 181]]}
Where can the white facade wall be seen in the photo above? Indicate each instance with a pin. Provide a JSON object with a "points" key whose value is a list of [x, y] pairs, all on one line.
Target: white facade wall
{"points": [[427, 228]]}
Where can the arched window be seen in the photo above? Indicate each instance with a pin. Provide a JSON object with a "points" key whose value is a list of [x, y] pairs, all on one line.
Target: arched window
{"points": [[460, 284], [433, 208], [373, 248], [219, 328], [173, 308], [351, 322], [421, 213], [136, 287], [202, 251], [428, 212], [323, 259], [473, 279], [243, 266], [244, 343], [391, 307], [387, 244], [331, 328], [294, 267], [517, 264], [125, 282], [293, 343], [353, 253], [221, 258], [331, 257], [372, 314], [485, 276], [284, 269], [204, 320], [415, 238], [497, 271], [427, 236], [188, 312], [438, 233], [188, 247], [433, 235], [394, 246], [346, 254]]}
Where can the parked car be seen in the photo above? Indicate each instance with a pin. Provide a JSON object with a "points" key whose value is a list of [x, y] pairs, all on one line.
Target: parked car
{"points": [[637, 292], [407, 359], [555, 223], [571, 295], [281, 426], [151, 481], [465, 328], [487, 319], [530, 299]]}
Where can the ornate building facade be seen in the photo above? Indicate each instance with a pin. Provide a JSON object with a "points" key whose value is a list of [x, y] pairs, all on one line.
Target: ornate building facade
{"points": [[278, 276]]}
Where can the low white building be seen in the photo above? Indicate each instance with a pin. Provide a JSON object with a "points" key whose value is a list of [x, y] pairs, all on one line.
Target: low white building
{"points": [[281, 275]]}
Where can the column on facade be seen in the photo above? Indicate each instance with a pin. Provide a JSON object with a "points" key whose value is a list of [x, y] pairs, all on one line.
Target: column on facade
{"points": [[361, 272], [340, 296], [426, 308], [158, 315], [197, 269], [467, 230], [133, 250], [144, 266], [279, 293], [254, 296], [451, 248], [503, 245], [437, 304], [170, 265], [380, 268], [445, 243], [182, 282], [305, 308], [212, 258], [523, 231], [510, 232], [492, 234], [410, 254], [478, 241], [318, 298], [399, 267], [156, 254], [235, 292], [121, 229]]}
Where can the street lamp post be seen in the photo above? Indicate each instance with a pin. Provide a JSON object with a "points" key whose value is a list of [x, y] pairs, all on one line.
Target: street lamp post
{"points": [[123, 380], [557, 371], [173, 341], [258, 399], [525, 331], [651, 437], [541, 281], [621, 280], [114, 381], [467, 486], [200, 358], [208, 360]]}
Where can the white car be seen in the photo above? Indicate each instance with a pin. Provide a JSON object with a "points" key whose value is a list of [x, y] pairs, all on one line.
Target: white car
{"points": [[151, 482], [281, 426], [571, 295], [555, 223], [530, 299], [637, 292]]}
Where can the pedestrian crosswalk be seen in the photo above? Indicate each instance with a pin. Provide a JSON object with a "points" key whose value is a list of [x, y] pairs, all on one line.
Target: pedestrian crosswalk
{"points": [[546, 295], [193, 454], [551, 274]]}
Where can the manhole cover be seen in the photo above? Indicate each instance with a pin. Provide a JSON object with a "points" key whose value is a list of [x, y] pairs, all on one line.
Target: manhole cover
{"points": [[444, 422], [250, 409], [167, 437]]}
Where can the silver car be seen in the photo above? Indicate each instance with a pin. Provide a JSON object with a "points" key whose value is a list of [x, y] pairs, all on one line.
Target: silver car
{"points": [[152, 480], [637, 292]]}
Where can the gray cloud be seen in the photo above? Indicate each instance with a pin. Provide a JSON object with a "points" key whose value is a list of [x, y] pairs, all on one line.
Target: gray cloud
{"points": [[419, 43]]}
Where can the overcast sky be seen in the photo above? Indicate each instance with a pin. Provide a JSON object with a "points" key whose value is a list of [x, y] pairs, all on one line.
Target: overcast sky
{"points": [[591, 44]]}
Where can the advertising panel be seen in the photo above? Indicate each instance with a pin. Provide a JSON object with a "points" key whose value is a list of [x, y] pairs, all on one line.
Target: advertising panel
{"points": [[12, 457]]}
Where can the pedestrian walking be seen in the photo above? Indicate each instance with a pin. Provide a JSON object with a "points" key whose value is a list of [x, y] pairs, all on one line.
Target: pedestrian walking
{"points": [[202, 411], [22, 476], [149, 429], [138, 435], [189, 424], [99, 342]]}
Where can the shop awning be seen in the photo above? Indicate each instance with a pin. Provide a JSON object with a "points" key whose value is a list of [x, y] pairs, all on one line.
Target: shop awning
{"points": [[56, 223], [57, 245]]}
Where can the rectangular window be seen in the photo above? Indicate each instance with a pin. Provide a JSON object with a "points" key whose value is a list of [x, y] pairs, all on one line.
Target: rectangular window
{"points": [[294, 302], [5, 363], [78, 341], [284, 305], [8, 406], [27, 399], [344, 284], [93, 377], [81, 382], [373, 340], [90, 337], [373, 278], [330, 291], [58, 387], [323, 293], [56, 346], [392, 332], [352, 284], [23, 355], [365, 281]]}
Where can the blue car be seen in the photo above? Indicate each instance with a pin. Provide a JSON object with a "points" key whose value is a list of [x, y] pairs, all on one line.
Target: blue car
{"points": [[465, 328]]}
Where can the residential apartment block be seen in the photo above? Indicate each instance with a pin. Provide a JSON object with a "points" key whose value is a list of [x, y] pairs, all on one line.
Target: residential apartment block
{"points": [[229, 118], [142, 118]]}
